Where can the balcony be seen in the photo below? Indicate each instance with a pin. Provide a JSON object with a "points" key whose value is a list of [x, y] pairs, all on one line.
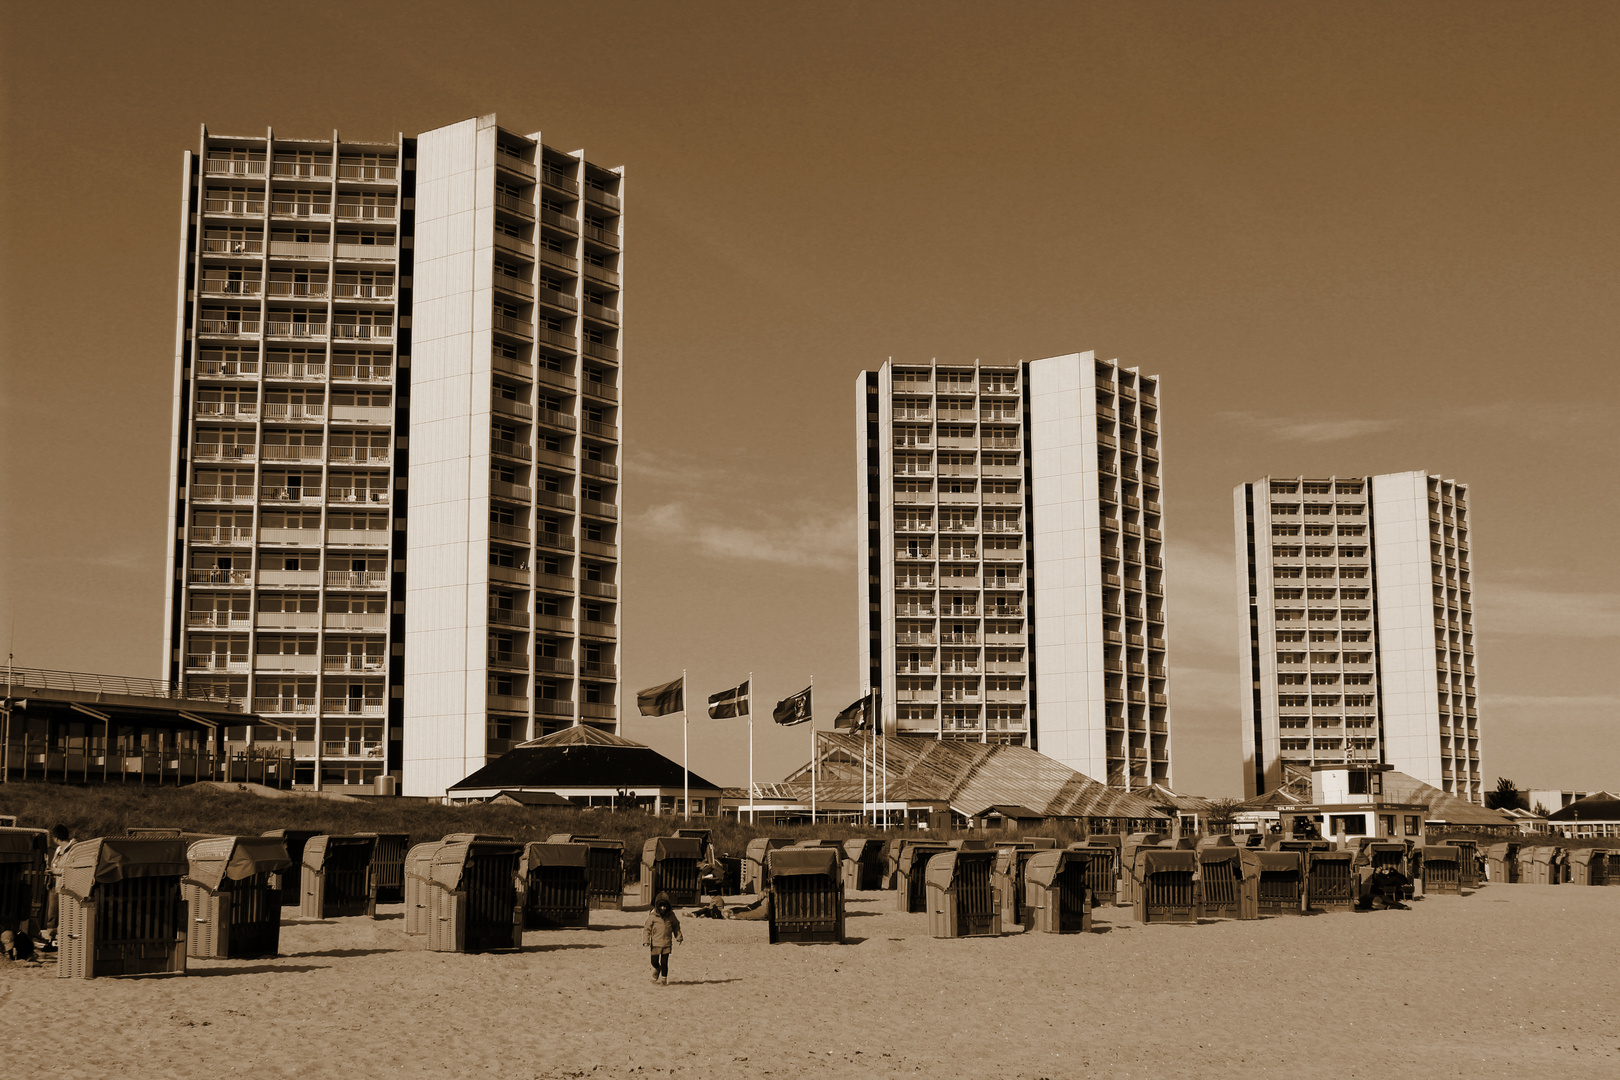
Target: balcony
{"points": [[554, 541], [598, 629], [214, 245], [509, 617], [345, 290], [601, 351], [516, 245], [351, 748], [284, 706], [286, 329], [555, 258], [227, 328], [520, 451], [602, 313], [554, 622], [354, 455], [513, 575], [223, 166], [356, 620], [559, 180], [348, 706], [608, 238], [600, 430], [354, 579], [353, 662], [599, 509], [367, 212], [369, 496]]}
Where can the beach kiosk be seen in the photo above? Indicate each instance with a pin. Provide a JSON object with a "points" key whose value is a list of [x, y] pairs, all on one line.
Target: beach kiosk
{"points": [[911, 886], [1166, 886], [755, 876], [418, 872], [337, 881], [291, 885], [807, 895], [863, 865], [233, 897], [121, 912], [25, 881], [1055, 890], [1442, 869], [1221, 873], [473, 900], [1273, 883], [961, 899], [669, 864], [388, 866], [1589, 866], [556, 886]]}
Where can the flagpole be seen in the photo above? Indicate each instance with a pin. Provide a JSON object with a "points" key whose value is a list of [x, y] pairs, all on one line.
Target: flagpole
{"points": [[812, 749], [686, 776], [751, 818]]}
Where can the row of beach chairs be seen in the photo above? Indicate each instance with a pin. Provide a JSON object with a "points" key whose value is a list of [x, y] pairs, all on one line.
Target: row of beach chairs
{"points": [[1549, 864]]}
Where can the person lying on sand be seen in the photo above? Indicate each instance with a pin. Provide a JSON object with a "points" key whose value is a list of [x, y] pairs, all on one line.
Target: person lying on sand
{"points": [[759, 910]]}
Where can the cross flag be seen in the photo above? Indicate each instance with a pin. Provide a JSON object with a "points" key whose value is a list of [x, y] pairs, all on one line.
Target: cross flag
{"points": [[793, 710], [733, 702], [857, 715], [663, 700]]}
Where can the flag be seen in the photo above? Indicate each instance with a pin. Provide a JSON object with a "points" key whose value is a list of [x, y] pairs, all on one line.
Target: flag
{"points": [[733, 702], [857, 715], [793, 710], [663, 700]]}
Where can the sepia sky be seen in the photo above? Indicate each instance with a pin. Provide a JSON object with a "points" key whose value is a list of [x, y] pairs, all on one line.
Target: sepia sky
{"points": [[1350, 238]]}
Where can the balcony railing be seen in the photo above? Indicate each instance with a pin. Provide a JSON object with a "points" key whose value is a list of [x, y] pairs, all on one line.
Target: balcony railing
{"points": [[351, 748], [511, 449], [600, 430], [557, 299], [509, 616], [502, 531], [280, 410], [227, 327], [363, 331], [213, 245], [284, 706], [366, 212], [222, 492], [356, 579], [559, 221], [346, 290], [599, 508], [278, 328], [516, 327], [220, 287], [219, 166], [602, 312], [559, 181], [301, 170], [599, 588], [347, 706], [601, 351]]}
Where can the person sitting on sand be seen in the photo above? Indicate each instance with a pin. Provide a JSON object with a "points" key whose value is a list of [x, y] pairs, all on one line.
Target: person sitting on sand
{"points": [[16, 946], [663, 929], [711, 908], [759, 910]]}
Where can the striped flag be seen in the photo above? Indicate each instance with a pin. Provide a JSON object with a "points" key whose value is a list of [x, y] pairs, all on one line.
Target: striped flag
{"points": [[733, 702], [793, 710], [663, 700]]}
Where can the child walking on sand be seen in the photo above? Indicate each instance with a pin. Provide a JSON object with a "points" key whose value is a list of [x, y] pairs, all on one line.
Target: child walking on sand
{"points": [[662, 930]]}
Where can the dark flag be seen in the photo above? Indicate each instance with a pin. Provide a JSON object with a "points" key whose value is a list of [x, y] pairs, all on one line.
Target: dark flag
{"points": [[733, 702], [663, 700], [856, 715], [793, 710]]}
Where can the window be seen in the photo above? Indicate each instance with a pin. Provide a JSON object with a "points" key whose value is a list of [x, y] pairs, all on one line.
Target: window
{"points": [[1284, 530], [1414, 825]]}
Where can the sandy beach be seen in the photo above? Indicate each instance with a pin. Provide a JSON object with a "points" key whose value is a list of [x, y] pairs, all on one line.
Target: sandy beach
{"points": [[1514, 980]]}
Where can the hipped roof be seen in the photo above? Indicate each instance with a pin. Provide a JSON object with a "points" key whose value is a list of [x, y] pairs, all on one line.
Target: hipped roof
{"points": [[582, 757], [1443, 806], [1598, 806], [968, 775]]}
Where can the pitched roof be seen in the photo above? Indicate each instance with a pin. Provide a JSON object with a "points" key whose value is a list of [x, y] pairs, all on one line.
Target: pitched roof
{"points": [[1598, 806], [532, 798], [581, 757], [1443, 806], [969, 775]]}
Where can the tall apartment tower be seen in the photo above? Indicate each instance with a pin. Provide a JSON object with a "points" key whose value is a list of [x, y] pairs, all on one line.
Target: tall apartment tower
{"points": [[1354, 595], [1009, 523], [288, 545], [511, 597]]}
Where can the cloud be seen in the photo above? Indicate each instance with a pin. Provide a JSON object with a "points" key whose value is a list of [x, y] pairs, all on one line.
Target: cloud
{"points": [[1305, 429], [806, 538], [1521, 609]]}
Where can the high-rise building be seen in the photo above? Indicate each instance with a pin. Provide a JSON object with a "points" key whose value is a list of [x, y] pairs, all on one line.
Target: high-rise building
{"points": [[291, 561], [511, 591], [1354, 594], [1009, 524]]}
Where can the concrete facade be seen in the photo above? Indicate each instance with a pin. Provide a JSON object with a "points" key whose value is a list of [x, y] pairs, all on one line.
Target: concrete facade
{"points": [[1355, 607]]}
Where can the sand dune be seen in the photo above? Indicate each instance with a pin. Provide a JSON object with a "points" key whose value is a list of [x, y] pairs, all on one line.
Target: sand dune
{"points": [[1513, 980]]}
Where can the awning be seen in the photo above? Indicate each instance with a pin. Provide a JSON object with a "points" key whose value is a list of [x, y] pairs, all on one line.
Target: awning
{"points": [[92, 862], [1257, 862], [1045, 867], [234, 858], [22, 845], [799, 862], [537, 854], [1154, 860], [658, 848]]}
